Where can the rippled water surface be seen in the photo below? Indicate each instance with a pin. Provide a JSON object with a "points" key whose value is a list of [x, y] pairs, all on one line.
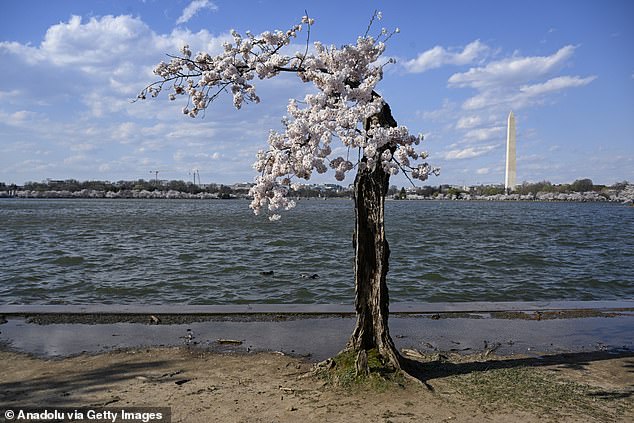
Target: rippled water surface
{"points": [[217, 252]]}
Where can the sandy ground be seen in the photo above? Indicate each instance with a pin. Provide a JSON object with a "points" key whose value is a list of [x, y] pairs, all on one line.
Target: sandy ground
{"points": [[266, 387]]}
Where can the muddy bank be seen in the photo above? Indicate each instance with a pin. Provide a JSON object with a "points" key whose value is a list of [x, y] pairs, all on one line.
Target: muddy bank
{"points": [[200, 386]]}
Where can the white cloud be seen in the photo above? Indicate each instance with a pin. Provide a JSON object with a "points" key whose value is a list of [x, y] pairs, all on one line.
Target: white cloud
{"points": [[5, 95], [446, 109], [85, 44], [84, 146], [113, 49], [466, 122], [125, 131], [525, 95], [194, 7], [76, 159], [483, 134], [469, 152], [555, 84], [517, 82], [439, 56], [512, 71], [93, 68], [20, 117], [191, 130]]}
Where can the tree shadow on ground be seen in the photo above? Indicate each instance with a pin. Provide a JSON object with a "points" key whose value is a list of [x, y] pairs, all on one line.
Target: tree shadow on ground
{"points": [[60, 387], [425, 372]]}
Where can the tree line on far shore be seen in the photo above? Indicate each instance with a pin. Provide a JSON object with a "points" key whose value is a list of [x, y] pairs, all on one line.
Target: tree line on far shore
{"points": [[160, 188], [128, 189], [526, 188]]}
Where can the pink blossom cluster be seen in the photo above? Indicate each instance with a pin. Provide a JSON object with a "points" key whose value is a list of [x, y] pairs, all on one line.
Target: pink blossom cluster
{"points": [[344, 108]]}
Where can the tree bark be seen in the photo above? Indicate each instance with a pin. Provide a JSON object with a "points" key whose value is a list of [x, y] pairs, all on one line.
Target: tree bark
{"points": [[372, 253]]}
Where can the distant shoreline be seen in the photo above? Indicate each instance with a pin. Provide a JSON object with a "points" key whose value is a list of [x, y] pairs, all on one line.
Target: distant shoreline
{"points": [[584, 197]]}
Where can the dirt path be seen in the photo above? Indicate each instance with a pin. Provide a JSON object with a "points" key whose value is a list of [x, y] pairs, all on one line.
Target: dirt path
{"points": [[210, 387]]}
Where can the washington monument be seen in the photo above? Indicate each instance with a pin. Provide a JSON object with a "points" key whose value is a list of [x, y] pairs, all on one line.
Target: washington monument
{"points": [[511, 166]]}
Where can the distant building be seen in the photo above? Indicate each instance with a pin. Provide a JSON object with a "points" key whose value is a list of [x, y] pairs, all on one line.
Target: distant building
{"points": [[242, 186]]}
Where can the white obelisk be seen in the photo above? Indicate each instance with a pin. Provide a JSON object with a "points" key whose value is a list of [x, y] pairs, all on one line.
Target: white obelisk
{"points": [[511, 166]]}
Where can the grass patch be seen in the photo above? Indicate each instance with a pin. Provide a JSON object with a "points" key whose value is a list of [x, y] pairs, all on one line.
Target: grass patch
{"points": [[343, 373], [534, 390]]}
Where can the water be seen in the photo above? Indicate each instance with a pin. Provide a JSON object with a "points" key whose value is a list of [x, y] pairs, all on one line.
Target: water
{"points": [[215, 252]]}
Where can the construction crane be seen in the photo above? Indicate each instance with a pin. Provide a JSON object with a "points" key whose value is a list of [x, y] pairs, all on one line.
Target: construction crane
{"points": [[155, 172], [195, 172]]}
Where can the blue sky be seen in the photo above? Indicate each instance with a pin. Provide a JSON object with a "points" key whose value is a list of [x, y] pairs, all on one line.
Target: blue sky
{"points": [[566, 69]]}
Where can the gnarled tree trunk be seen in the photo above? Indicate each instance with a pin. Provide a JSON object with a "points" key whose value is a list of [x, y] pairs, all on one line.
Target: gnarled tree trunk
{"points": [[372, 253]]}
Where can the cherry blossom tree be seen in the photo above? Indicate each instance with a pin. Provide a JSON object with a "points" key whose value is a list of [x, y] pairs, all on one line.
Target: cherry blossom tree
{"points": [[345, 109]]}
